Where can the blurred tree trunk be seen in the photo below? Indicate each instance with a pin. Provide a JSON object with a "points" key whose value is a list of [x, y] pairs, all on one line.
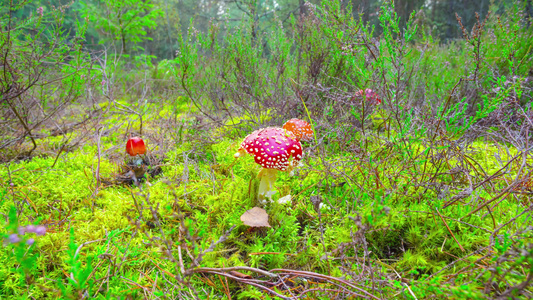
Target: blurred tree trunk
{"points": [[303, 9], [168, 26], [529, 11], [362, 7], [404, 8]]}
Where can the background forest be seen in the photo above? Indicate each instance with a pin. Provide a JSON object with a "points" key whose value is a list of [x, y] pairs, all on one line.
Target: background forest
{"points": [[154, 27], [416, 184]]}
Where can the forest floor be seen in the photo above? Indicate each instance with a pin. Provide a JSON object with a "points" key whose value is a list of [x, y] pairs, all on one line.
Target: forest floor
{"points": [[354, 220]]}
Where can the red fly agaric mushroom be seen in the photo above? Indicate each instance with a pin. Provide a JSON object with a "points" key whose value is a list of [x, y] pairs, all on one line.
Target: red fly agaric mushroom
{"points": [[300, 128], [135, 146], [369, 95], [275, 149]]}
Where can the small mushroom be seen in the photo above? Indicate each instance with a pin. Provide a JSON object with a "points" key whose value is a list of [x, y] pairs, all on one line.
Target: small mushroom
{"points": [[300, 128], [275, 149], [135, 146], [368, 94], [135, 169]]}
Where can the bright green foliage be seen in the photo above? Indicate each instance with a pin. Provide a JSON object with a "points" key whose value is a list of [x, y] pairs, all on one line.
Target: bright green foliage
{"points": [[126, 21]]}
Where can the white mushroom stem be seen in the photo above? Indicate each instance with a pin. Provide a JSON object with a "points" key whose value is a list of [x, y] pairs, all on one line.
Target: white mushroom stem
{"points": [[239, 153], [266, 186]]}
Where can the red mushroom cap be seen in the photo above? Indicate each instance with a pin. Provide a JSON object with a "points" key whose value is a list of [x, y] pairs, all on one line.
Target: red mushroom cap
{"points": [[273, 148], [370, 96], [135, 146], [300, 128]]}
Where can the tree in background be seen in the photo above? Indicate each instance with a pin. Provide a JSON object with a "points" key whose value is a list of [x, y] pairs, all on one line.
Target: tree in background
{"points": [[135, 23], [125, 21]]}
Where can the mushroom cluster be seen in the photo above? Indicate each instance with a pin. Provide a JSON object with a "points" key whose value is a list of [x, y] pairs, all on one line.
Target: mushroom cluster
{"points": [[275, 149]]}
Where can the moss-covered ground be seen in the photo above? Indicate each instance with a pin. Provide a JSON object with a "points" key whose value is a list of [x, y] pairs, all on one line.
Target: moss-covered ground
{"points": [[375, 225]]}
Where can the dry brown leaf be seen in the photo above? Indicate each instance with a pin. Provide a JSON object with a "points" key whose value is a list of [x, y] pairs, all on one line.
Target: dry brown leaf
{"points": [[255, 217]]}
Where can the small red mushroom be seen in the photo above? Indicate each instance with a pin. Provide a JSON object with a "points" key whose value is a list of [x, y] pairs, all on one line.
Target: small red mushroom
{"points": [[275, 149], [300, 128], [135, 146], [368, 94]]}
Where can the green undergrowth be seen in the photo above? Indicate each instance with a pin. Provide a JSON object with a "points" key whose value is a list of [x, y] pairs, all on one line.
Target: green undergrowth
{"points": [[123, 229], [424, 194]]}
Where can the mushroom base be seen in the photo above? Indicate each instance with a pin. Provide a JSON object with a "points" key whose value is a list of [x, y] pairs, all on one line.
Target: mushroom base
{"points": [[239, 153], [266, 185]]}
